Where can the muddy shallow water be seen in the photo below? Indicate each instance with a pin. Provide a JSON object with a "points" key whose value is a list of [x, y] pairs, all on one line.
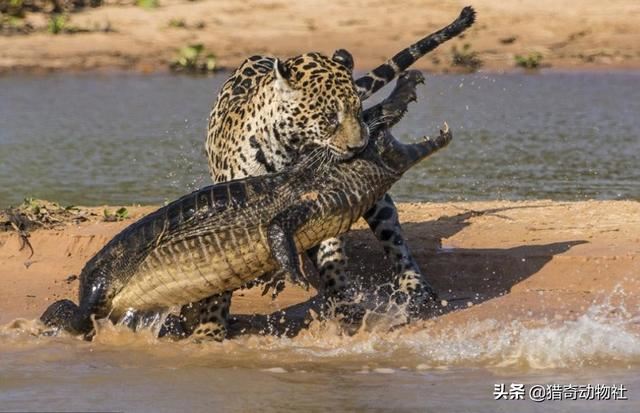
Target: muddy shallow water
{"points": [[426, 366]]}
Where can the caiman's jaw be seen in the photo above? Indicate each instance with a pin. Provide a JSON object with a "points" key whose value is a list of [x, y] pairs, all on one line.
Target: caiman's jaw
{"points": [[399, 157]]}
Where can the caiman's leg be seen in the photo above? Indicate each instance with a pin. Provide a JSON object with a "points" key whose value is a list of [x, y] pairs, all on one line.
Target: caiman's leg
{"points": [[280, 236], [76, 319]]}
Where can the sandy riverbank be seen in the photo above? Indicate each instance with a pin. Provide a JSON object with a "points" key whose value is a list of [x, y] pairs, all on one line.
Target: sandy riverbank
{"points": [[586, 34], [531, 261]]}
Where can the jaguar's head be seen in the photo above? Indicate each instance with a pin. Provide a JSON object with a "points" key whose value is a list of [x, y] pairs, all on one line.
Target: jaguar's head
{"points": [[320, 105]]}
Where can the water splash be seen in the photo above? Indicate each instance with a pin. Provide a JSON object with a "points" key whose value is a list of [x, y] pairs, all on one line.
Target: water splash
{"points": [[606, 334]]}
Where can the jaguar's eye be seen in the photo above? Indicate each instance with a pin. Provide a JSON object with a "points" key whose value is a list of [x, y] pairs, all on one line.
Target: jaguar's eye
{"points": [[333, 119]]}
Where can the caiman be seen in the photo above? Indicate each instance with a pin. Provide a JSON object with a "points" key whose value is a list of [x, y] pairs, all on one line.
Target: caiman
{"points": [[222, 236]]}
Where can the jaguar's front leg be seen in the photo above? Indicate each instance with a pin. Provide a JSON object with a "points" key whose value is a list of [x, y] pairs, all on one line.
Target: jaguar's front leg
{"points": [[411, 287]]}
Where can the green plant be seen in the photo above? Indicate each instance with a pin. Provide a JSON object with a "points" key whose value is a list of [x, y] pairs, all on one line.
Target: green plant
{"points": [[60, 23], [14, 24], [178, 23], [119, 215], [530, 62], [465, 58], [14, 8], [31, 204], [57, 23], [190, 59], [188, 55], [148, 4], [211, 63], [13, 21]]}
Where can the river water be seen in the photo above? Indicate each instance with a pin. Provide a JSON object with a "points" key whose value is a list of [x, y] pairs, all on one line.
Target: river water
{"points": [[121, 139]]}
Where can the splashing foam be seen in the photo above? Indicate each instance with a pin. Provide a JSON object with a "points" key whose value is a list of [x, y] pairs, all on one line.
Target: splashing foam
{"points": [[606, 334]]}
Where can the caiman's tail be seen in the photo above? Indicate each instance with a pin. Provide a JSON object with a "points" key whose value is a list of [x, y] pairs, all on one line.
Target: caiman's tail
{"points": [[385, 73], [400, 157]]}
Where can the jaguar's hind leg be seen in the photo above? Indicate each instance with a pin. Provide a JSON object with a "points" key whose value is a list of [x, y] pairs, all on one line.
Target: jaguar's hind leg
{"points": [[207, 318], [411, 287], [331, 261], [338, 290]]}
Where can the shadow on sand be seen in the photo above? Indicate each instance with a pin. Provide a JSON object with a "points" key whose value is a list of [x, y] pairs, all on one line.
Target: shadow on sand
{"points": [[459, 275]]}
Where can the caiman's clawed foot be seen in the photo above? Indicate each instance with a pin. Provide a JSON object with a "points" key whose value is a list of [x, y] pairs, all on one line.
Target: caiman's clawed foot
{"points": [[444, 138], [391, 110], [405, 90], [275, 282]]}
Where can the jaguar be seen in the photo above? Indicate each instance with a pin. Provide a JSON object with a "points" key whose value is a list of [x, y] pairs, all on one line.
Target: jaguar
{"points": [[271, 110]]}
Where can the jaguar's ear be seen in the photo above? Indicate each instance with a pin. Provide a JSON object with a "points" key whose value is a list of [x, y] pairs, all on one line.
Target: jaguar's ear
{"points": [[344, 58], [282, 72]]}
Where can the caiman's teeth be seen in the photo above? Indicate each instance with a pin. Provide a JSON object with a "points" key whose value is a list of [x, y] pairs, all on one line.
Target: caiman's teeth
{"points": [[445, 128]]}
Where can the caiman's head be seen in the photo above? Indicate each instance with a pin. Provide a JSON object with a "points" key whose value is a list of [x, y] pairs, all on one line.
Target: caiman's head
{"points": [[399, 157]]}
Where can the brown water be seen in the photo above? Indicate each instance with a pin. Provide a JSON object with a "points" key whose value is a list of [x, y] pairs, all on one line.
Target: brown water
{"points": [[422, 367]]}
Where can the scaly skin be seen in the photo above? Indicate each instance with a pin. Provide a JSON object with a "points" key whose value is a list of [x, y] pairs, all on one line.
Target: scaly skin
{"points": [[222, 236]]}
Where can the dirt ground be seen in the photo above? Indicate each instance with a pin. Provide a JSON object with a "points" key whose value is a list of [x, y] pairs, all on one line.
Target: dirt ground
{"points": [[569, 34], [533, 260]]}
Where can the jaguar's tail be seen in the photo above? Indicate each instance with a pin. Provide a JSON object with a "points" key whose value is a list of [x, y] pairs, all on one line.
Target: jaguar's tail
{"points": [[385, 73]]}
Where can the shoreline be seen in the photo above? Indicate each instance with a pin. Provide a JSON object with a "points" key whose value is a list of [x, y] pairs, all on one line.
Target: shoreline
{"points": [[583, 36], [529, 261], [117, 71]]}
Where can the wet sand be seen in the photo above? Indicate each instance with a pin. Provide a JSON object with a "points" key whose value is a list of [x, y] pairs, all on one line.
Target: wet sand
{"points": [[586, 34], [535, 262]]}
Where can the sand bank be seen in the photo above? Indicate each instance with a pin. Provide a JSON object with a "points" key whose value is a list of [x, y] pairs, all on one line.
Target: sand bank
{"points": [[530, 261], [586, 34]]}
